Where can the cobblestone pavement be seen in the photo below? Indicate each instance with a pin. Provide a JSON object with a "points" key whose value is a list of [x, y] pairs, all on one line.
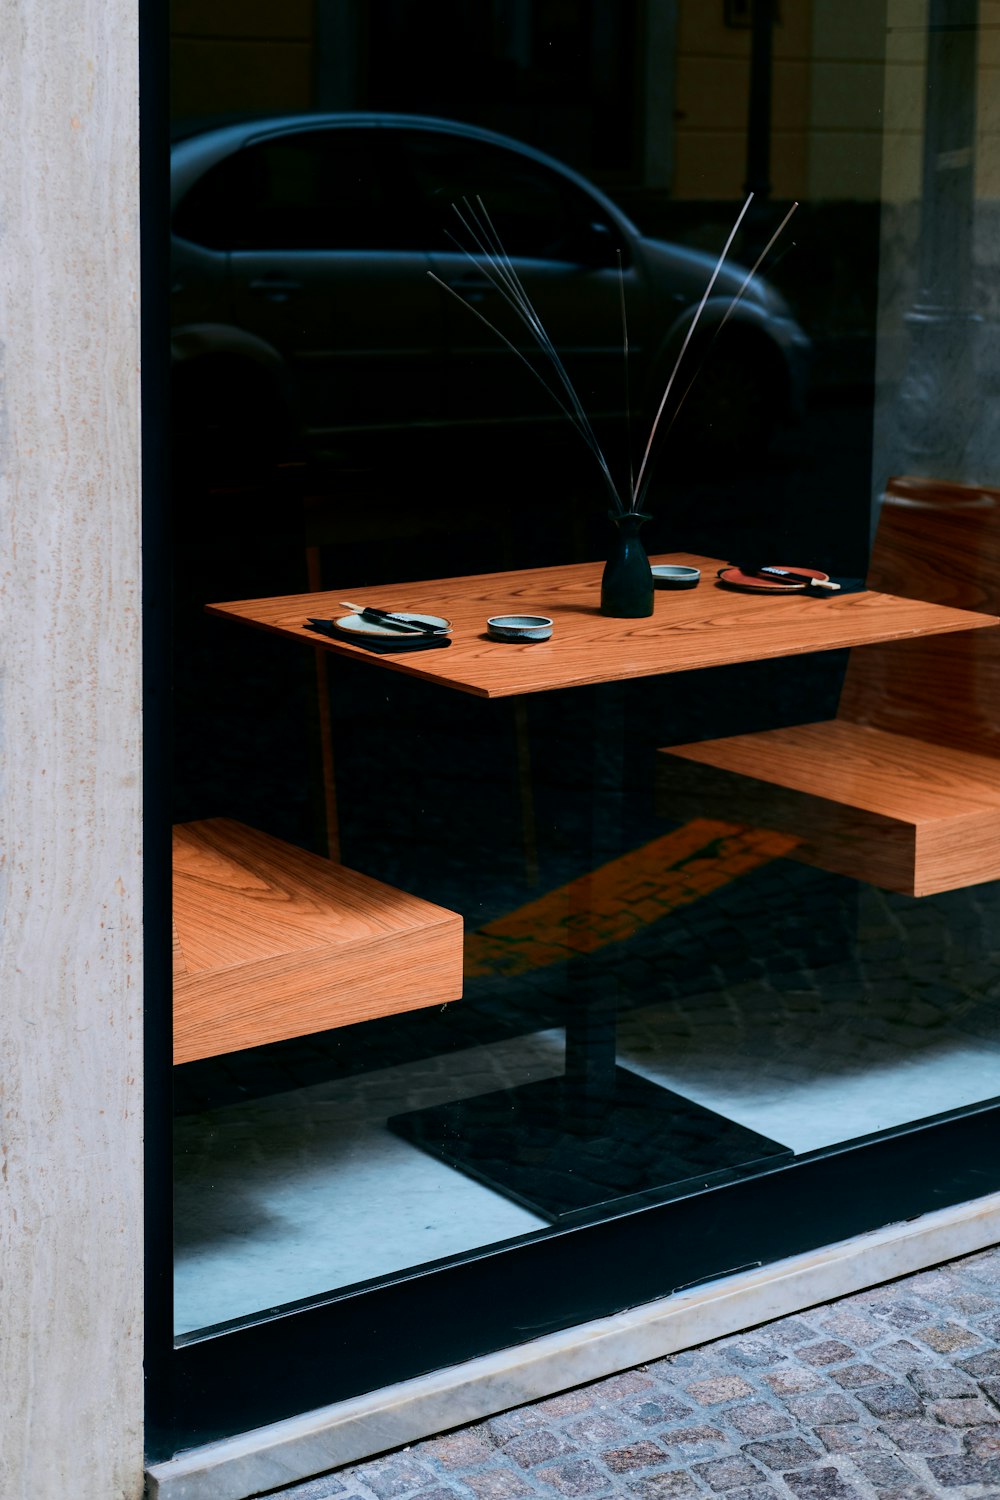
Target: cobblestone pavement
{"points": [[892, 1394]]}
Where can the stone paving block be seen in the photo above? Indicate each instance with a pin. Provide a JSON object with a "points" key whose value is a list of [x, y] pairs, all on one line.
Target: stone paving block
{"points": [[460, 1450], [785, 1382], [676, 1485], [980, 1365], [597, 1430], [788, 1332], [921, 1437], [754, 1419], [991, 1387], [984, 1442], [655, 1410], [437, 1492], [849, 1437], [899, 1312], [822, 1484], [902, 1357], [965, 1469], [891, 1478], [510, 1424], [393, 1477], [783, 1453], [752, 1353], [984, 1266], [852, 1376], [938, 1382], [536, 1446], [584, 1398], [498, 1484], [761, 1491], [579, 1476], [723, 1474], [891, 1400], [963, 1411], [721, 1388], [989, 1327], [641, 1455], [627, 1384], [852, 1325], [322, 1488], [947, 1338], [695, 1442], [813, 1411], [829, 1352]]}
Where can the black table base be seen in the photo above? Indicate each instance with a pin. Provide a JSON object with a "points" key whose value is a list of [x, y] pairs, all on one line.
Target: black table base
{"points": [[559, 1152]]}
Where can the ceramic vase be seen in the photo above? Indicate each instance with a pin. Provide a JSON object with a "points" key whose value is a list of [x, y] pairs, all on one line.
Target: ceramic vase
{"points": [[627, 584]]}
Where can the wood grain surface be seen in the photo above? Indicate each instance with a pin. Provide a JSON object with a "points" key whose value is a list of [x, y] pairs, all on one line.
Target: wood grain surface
{"points": [[274, 942], [902, 788], [707, 626], [939, 542], [900, 813]]}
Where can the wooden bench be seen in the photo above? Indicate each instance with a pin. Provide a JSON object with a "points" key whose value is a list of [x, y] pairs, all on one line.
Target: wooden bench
{"points": [[902, 787], [272, 942]]}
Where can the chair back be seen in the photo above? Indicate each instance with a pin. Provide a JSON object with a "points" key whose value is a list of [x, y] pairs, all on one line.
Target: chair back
{"points": [[940, 542]]}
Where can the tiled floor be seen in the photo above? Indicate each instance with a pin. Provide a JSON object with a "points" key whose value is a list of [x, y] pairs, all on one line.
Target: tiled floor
{"points": [[891, 1394]]}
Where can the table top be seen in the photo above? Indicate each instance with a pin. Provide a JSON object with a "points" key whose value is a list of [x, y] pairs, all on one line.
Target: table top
{"points": [[707, 626]]}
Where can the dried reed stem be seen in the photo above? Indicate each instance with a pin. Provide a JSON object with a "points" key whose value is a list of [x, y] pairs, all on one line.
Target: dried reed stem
{"points": [[728, 314], [499, 271], [687, 339]]}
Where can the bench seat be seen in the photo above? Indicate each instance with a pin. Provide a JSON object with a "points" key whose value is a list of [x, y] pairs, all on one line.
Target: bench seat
{"points": [[272, 942], [902, 813]]}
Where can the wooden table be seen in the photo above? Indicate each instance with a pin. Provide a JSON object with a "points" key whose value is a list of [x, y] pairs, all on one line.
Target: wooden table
{"points": [[708, 626], [570, 1145]]}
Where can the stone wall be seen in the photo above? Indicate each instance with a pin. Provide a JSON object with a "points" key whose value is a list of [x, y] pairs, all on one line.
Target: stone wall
{"points": [[70, 872]]}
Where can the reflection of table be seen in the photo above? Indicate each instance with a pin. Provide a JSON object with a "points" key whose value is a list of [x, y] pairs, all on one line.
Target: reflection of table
{"points": [[599, 1132]]}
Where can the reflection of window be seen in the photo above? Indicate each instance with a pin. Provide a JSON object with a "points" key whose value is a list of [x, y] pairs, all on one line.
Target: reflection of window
{"points": [[534, 212], [740, 12], [310, 191]]}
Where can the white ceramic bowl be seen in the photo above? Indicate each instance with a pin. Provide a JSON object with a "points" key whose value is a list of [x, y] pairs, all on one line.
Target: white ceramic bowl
{"points": [[519, 627], [675, 576]]}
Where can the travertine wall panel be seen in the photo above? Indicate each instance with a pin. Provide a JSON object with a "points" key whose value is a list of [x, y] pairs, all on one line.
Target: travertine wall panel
{"points": [[70, 877]]}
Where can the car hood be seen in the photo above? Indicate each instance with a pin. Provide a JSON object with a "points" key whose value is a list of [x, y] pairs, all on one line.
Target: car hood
{"points": [[690, 271]]}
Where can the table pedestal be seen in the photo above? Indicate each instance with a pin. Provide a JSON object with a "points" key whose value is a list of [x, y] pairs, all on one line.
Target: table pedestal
{"points": [[559, 1151], [596, 1134]]}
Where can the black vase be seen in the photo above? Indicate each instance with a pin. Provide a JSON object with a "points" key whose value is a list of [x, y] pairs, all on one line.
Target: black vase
{"points": [[627, 584]]}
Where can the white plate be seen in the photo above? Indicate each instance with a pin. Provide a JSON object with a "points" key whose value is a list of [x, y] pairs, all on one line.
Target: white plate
{"points": [[355, 625]]}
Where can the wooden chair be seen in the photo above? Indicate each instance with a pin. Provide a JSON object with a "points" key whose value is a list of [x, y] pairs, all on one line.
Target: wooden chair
{"points": [[902, 787], [272, 942]]}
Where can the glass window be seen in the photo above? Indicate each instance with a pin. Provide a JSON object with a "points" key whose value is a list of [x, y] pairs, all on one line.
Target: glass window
{"points": [[535, 213], [315, 190], [642, 929]]}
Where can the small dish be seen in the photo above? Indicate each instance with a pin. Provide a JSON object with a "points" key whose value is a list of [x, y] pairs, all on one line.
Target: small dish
{"points": [[519, 627], [355, 625], [675, 576]]}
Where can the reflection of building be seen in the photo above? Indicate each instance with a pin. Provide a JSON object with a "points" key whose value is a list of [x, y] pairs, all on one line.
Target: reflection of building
{"points": [[651, 93]]}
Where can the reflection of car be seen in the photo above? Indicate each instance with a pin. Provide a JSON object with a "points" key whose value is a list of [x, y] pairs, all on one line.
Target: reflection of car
{"points": [[299, 288]]}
